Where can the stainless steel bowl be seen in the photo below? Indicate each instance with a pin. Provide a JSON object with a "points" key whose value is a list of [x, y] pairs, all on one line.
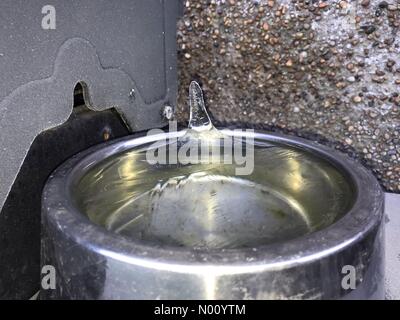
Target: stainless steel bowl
{"points": [[236, 251]]}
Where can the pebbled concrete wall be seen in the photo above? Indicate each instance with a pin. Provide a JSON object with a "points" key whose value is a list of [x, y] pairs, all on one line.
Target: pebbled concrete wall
{"points": [[325, 70]]}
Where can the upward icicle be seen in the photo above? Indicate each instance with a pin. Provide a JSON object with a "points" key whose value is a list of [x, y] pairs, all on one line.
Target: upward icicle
{"points": [[199, 119]]}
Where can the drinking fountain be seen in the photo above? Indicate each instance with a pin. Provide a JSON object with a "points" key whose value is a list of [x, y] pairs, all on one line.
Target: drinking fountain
{"points": [[118, 225], [86, 193]]}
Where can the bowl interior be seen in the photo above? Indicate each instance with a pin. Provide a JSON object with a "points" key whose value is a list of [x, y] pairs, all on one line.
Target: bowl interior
{"points": [[290, 192]]}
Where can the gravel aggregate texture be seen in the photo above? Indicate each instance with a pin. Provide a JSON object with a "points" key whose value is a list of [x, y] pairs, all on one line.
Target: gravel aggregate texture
{"points": [[328, 71]]}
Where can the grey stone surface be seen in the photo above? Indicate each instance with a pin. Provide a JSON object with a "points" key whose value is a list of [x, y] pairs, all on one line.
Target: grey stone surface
{"points": [[392, 246], [325, 70]]}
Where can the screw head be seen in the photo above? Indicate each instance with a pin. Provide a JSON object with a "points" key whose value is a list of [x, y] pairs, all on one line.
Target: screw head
{"points": [[168, 112]]}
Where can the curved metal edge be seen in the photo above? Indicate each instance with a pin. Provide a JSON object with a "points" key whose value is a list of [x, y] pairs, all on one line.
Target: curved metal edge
{"points": [[364, 217]]}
